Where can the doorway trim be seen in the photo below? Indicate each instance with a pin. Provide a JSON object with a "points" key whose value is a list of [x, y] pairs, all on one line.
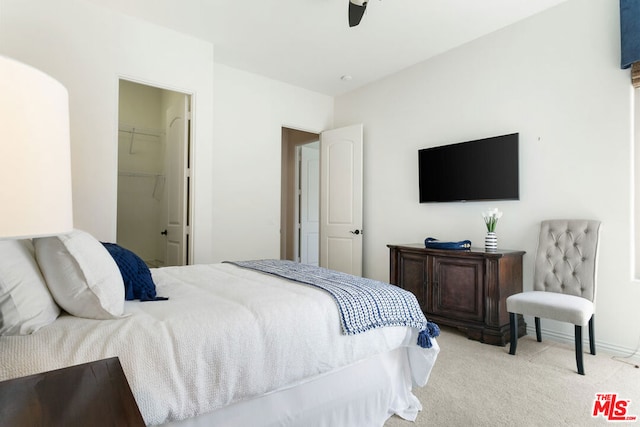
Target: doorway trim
{"points": [[290, 139], [189, 196]]}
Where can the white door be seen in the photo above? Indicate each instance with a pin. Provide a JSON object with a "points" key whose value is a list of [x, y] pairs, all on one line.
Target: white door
{"points": [[341, 199], [309, 203], [177, 175]]}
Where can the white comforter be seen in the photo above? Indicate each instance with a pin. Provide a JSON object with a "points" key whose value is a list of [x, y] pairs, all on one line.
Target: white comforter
{"points": [[226, 334]]}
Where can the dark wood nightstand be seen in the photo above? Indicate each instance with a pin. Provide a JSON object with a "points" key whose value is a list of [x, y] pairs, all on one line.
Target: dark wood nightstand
{"points": [[92, 394]]}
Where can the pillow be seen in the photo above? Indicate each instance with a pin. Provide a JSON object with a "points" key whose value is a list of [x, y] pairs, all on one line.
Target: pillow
{"points": [[81, 275], [25, 302], [138, 283]]}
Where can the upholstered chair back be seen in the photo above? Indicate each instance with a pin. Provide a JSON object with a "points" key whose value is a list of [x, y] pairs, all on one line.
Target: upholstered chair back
{"points": [[566, 258]]}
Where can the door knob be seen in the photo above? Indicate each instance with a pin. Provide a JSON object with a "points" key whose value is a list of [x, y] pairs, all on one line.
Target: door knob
{"points": [[356, 232], [164, 233]]}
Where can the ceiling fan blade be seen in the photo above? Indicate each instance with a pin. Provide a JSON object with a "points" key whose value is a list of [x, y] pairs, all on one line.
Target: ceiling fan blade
{"points": [[356, 11]]}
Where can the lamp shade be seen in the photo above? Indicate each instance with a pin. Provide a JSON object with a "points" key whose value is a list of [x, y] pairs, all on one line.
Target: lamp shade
{"points": [[35, 158]]}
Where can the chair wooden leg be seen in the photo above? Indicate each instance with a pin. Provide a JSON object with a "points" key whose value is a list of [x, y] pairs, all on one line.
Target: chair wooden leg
{"points": [[578, 329], [538, 332], [592, 341], [513, 325]]}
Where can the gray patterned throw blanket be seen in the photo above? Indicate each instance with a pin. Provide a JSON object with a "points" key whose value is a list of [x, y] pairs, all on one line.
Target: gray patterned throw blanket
{"points": [[363, 303]]}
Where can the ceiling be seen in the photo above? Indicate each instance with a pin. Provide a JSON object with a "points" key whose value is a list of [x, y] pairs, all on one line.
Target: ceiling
{"points": [[308, 43]]}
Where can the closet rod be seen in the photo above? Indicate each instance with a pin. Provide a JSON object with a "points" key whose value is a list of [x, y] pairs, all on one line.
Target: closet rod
{"points": [[140, 174], [136, 132], [140, 131]]}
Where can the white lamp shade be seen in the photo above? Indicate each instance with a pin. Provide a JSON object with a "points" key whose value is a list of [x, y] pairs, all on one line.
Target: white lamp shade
{"points": [[35, 158]]}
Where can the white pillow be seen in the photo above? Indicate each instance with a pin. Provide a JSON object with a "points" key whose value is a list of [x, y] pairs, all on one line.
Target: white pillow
{"points": [[81, 275], [25, 302]]}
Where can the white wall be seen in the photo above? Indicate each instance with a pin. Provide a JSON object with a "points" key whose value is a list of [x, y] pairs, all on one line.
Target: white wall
{"points": [[250, 112], [554, 78], [88, 49]]}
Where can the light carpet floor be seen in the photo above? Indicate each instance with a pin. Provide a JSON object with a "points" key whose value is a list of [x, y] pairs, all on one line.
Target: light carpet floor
{"points": [[475, 384]]}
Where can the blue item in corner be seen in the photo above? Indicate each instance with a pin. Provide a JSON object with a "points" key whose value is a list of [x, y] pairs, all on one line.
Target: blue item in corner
{"points": [[432, 243]]}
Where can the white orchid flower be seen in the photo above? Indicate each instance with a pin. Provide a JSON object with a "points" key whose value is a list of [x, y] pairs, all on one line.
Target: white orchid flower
{"points": [[491, 218]]}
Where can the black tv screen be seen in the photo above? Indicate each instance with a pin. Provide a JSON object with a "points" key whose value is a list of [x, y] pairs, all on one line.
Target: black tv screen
{"points": [[484, 169]]}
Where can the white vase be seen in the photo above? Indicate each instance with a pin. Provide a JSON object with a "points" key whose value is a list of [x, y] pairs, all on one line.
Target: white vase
{"points": [[490, 242]]}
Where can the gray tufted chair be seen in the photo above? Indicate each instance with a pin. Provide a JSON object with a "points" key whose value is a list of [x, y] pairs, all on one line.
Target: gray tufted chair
{"points": [[564, 281]]}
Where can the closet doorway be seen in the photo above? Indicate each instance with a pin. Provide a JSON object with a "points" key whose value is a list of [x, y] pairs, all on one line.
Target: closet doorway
{"points": [[300, 196], [154, 151]]}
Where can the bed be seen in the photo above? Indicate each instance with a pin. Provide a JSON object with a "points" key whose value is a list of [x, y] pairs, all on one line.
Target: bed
{"points": [[230, 346]]}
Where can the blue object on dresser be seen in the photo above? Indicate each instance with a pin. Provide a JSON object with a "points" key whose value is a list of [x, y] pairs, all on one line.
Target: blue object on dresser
{"points": [[432, 243]]}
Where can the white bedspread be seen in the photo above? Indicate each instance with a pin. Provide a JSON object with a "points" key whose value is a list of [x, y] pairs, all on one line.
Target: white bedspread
{"points": [[225, 335]]}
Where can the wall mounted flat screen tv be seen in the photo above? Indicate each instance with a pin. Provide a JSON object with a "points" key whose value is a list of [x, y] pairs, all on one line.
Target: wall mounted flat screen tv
{"points": [[484, 169]]}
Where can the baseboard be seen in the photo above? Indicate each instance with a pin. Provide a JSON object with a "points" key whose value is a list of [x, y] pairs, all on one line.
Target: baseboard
{"points": [[623, 354]]}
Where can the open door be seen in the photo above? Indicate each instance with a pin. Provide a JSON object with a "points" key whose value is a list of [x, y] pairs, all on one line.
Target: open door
{"points": [[177, 182], [341, 199]]}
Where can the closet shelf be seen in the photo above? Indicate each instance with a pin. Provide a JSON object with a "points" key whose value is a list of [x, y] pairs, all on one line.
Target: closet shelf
{"points": [[140, 174], [158, 184], [133, 131]]}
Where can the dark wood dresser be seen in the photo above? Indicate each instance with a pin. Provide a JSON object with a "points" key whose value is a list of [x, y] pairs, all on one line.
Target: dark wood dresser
{"points": [[94, 394], [465, 289]]}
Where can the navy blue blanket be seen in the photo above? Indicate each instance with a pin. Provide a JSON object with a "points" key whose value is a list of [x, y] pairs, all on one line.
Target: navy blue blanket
{"points": [[138, 283], [363, 303]]}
